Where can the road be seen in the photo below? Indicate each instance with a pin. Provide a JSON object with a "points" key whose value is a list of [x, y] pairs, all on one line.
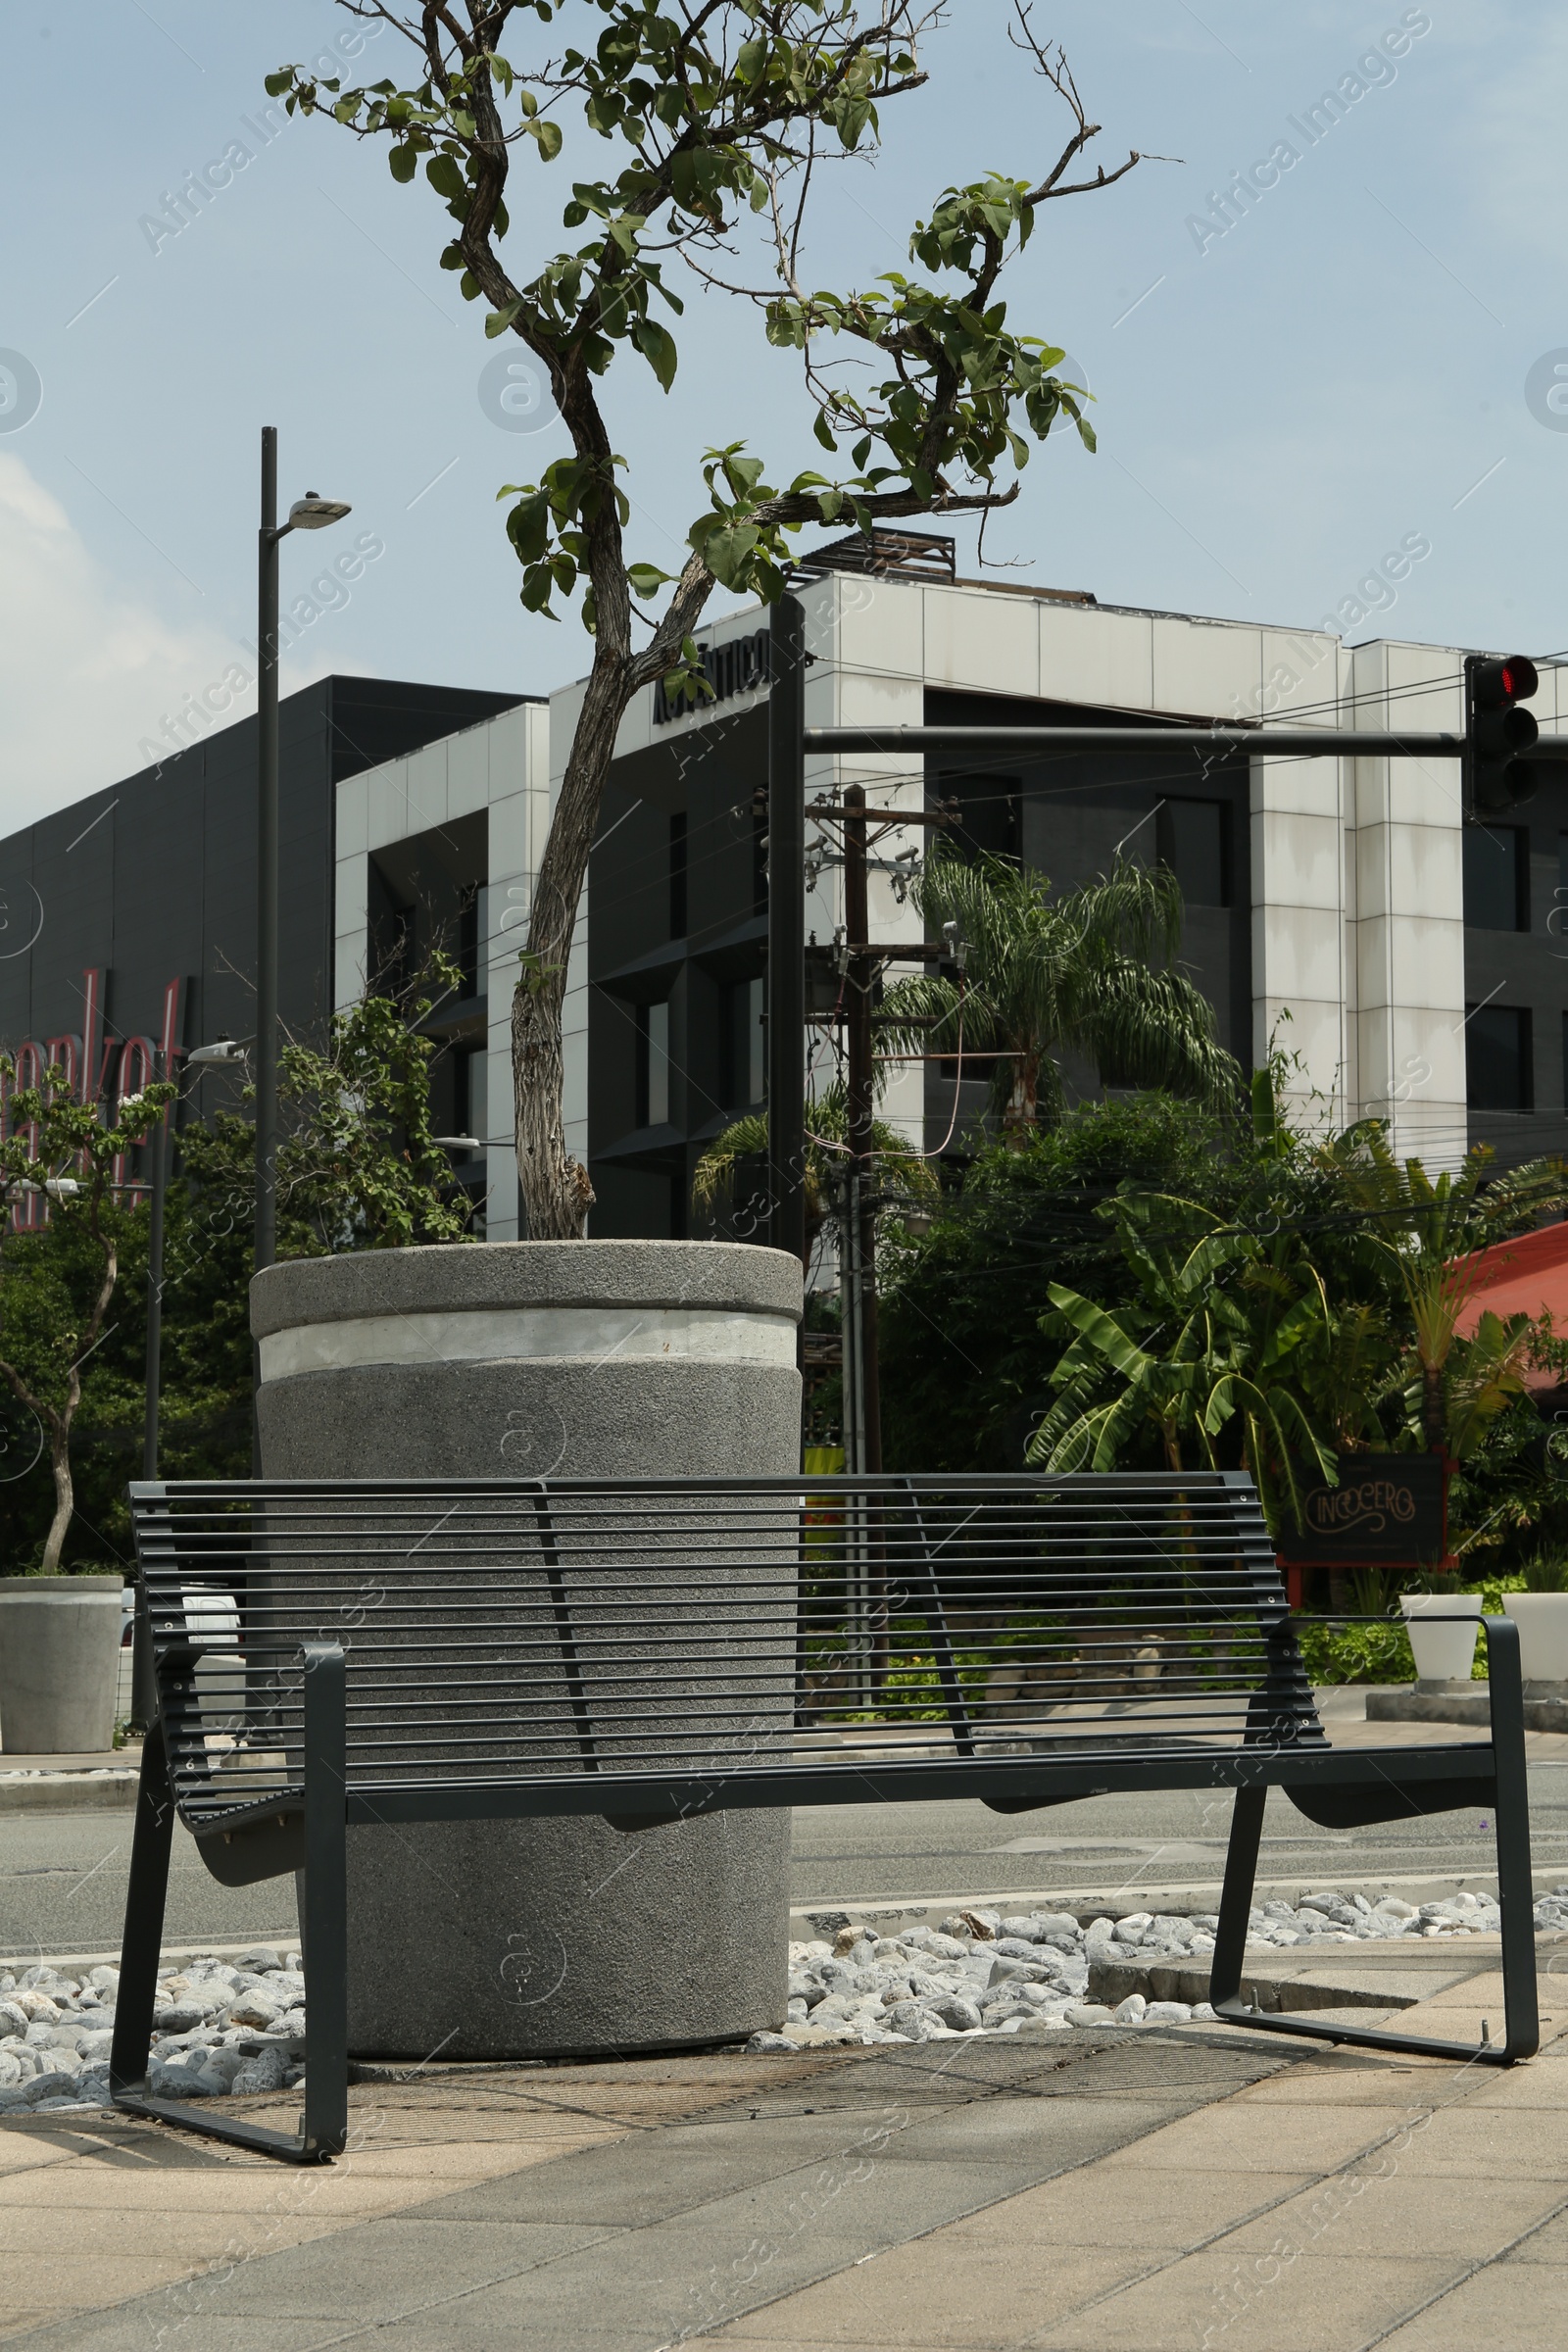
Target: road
{"points": [[62, 1876]]}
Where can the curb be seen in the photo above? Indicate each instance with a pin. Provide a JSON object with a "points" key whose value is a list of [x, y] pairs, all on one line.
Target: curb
{"points": [[69, 1793]]}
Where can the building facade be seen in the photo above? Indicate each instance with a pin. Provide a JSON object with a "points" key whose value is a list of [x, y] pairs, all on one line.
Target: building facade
{"points": [[127, 921], [1411, 963]]}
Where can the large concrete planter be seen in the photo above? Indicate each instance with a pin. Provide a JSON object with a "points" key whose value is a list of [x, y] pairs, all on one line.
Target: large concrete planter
{"points": [[59, 1664], [534, 1359]]}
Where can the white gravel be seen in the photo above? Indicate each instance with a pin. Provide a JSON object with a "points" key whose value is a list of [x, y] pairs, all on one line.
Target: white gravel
{"points": [[223, 2028], [981, 1972], [219, 2027]]}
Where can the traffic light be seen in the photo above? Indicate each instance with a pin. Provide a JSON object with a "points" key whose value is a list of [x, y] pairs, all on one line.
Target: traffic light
{"points": [[1497, 734]]}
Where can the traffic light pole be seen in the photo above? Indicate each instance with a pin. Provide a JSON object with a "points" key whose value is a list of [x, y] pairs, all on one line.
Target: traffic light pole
{"points": [[1262, 743], [786, 928], [859, 1226]]}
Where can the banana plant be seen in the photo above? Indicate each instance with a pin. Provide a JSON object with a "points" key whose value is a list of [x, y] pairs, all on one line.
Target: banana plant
{"points": [[1214, 1353]]}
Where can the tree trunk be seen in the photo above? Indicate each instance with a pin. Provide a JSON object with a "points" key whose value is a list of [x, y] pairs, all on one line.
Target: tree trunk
{"points": [[1434, 1413], [1018, 1119], [65, 1494], [556, 1191]]}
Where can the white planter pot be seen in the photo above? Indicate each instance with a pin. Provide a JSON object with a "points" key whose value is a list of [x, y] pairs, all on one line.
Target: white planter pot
{"points": [[1443, 1653], [59, 1664], [1543, 1622]]}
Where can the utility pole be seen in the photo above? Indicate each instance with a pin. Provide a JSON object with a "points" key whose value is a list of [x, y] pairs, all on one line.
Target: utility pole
{"points": [[786, 928]]}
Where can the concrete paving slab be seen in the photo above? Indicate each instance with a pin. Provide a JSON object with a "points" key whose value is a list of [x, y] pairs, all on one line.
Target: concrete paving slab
{"points": [[1489, 2143], [1231, 2138], [1319, 2303], [184, 2323], [620, 2189], [1172, 2211], [670, 2279], [943, 2292], [381, 2269], [878, 2204], [1502, 2306], [1378, 2208]]}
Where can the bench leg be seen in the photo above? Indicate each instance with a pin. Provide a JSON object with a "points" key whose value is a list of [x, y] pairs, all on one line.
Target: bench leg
{"points": [[325, 2122], [143, 1935], [1521, 2036], [1511, 1825], [325, 1922]]}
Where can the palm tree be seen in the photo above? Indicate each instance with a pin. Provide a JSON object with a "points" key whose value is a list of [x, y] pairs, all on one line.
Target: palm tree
{"points": [[899, 1163], [1091, 972]]}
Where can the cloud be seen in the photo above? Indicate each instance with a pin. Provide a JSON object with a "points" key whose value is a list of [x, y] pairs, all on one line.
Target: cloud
{"points": [[88, 677]]}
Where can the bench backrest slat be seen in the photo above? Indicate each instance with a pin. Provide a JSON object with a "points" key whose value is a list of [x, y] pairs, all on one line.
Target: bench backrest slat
{"points": [[521, 1629]]}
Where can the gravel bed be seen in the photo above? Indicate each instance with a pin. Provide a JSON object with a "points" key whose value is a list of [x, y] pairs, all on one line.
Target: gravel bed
{"points": [[980, 1973], [220, 2027], [226, 2029]]}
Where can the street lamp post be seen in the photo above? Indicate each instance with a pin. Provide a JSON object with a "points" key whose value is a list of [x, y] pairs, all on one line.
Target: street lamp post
{"points": [[308, 513]]}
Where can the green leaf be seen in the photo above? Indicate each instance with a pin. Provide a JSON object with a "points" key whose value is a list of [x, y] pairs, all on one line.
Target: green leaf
{"points": [[546, 136], [645, 578], [498, 321], [403, 161], [728, 552], [276, 84], [658, 347], [445, 175]]}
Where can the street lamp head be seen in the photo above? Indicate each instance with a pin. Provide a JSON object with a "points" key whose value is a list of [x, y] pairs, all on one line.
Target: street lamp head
{"points": [[313, 513], [227, 1048], [457, 1143]]}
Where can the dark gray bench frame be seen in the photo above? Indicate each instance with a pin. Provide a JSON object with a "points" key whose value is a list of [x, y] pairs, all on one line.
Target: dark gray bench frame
{"points": [[1334, 1787]]}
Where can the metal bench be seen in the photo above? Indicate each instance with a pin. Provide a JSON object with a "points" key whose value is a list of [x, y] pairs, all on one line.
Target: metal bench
{"points": [[649, 1651]]}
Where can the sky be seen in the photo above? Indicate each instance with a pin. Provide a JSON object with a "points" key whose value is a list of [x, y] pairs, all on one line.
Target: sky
{"points": [[1362, 355]]}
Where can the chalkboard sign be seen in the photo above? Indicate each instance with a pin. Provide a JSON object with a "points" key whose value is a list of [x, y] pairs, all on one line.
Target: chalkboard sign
{"points": [[1389, 1510]]}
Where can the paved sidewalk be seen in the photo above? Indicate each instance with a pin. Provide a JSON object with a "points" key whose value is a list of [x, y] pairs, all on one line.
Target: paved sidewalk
{"points": [[1186, 2189]]}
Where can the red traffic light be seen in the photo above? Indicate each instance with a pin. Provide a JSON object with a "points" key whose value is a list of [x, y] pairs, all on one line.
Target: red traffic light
{"points": [[1502, 680]]}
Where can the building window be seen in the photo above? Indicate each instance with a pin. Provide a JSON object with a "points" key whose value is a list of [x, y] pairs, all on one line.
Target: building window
{"points": [[745, 1045], [677, 875], [1193, 840], [1497, 877], [989, 806], [653, 1066], [1499, 1071]]}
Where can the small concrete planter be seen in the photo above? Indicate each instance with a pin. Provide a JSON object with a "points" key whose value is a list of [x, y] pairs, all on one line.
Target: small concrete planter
{"points": [[1443, 1653], [59, 1664], [1543, 1622], [540, 1359]]}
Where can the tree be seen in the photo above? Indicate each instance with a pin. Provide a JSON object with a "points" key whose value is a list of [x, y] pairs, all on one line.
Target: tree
{"points": [[1089, 972], [358, 1169], [717, 110], [1319, 1314], [965, 1364], [53, 1304]]}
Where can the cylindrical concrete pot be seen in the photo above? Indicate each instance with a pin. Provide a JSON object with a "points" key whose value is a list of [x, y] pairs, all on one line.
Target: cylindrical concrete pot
{"points": [[59, 1664], [1443, 1653], [1543, 1622], [535, 1359]]}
